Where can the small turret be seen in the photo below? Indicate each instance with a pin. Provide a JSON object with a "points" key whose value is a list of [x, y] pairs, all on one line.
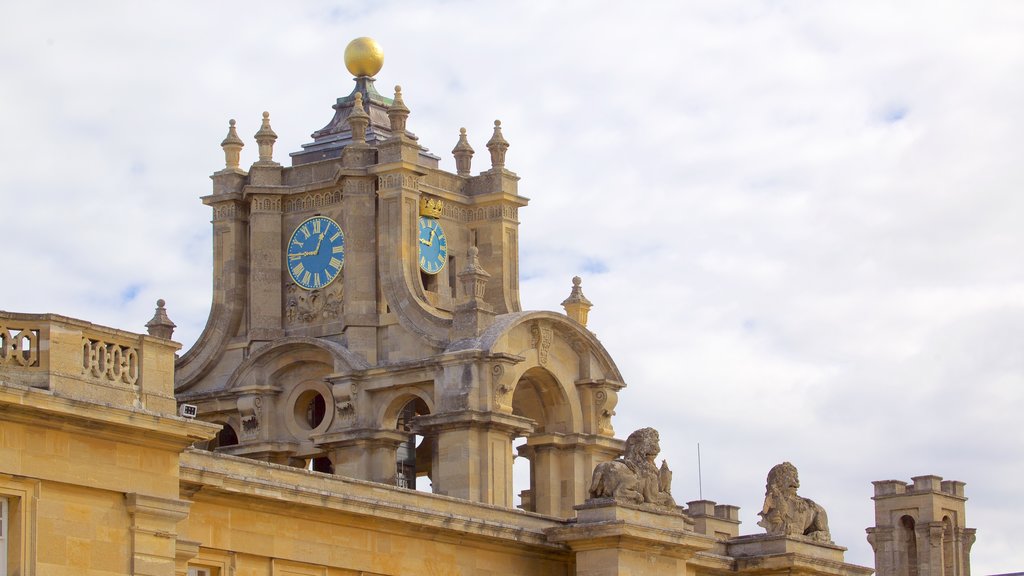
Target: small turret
{"points": [[232, 146], [160, 326], [398, 113], [265, 138], [576, 305], [358, 120], [497, 146], [463, 153]]}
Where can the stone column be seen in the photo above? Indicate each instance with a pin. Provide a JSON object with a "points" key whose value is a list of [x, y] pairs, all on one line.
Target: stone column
{"points": [[561, 467], [364, 454], [474, 454]]}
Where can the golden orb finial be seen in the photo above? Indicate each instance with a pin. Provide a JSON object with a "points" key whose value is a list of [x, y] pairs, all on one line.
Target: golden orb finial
{"points": [[364, 57]]}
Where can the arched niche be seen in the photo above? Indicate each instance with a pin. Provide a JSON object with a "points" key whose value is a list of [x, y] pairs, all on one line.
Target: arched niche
{"points": [[416, 455], [949, 563], [907, 546], [539, 396], [225, 438]]}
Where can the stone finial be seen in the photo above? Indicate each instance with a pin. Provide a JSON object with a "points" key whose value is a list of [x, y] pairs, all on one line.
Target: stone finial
{"points": [[265, 138], [463, 153], [785, 513], [497, 145], [634, 477], [358, 120], [232, 146], [576, 305], [398, 113], [473, 276], [161, 326]]}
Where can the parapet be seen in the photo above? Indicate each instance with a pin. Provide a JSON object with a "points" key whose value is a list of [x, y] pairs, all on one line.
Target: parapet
{"points": [[919, 485], [78, 359], [721, 521]]}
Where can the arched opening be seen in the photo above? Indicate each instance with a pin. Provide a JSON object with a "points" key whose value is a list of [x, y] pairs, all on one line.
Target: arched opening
{"points": [[536, 474], [226, 437], [948, 550], [415, 455], [908, 547], [320, 464]]}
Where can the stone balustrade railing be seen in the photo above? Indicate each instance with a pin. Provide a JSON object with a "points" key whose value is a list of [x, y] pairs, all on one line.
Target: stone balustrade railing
{"points": [[84, 360]]}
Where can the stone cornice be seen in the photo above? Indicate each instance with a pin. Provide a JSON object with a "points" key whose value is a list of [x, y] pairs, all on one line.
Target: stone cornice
{"points": [[43, 408], [299, 492]]}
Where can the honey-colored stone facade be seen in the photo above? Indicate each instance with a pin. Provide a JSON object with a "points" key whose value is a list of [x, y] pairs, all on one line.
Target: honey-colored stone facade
{"points": [[317, 401]]}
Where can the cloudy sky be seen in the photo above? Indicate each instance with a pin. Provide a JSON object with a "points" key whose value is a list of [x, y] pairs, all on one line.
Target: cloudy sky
{"points": [[800, 222]]}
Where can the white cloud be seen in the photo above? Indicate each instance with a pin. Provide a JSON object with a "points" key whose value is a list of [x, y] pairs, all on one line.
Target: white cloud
{"points": [[808, 212]]}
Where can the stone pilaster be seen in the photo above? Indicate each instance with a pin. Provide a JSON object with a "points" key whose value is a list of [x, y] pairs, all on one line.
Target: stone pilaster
{"points": [[153, 534], [359, 274], [265, 261]]}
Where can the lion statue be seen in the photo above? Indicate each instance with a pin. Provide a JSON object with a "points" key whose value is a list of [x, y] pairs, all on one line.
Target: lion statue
{"points": [[634, 478], [787, 514]]}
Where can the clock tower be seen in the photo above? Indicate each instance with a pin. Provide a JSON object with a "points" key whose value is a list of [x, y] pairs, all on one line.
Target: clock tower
{"points": [[366, 318]]}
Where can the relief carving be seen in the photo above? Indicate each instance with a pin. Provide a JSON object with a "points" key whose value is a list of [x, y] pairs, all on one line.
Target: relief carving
{"points": [[604, 404], [542, 337], [492, 212], [250, 409], [312, 201], [502, 392], [306, 307], [388, 181], [266, 204], [225, 212], [634, 478], [345, 405], [785, 513], [357, 186]]}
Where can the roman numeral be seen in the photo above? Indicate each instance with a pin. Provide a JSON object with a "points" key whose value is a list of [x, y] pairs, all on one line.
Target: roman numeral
{"points": [[305, 278], [298, 269], [316, 226], [338, 250], [306, 232], [316, 280], [335, 263]]}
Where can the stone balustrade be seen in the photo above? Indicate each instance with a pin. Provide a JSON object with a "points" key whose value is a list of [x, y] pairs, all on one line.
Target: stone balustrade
{"points": [[83, 360]]}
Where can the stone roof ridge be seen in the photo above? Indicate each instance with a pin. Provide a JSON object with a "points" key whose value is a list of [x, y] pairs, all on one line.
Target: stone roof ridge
{"points": [[375, 104]]}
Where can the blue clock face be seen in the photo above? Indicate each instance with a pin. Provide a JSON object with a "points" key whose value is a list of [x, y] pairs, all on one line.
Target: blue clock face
{"points": [[316, 252], [433, 246]]}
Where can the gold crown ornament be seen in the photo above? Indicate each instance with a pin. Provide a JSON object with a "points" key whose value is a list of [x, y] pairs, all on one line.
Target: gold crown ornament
{"points": [[431, 207]]}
